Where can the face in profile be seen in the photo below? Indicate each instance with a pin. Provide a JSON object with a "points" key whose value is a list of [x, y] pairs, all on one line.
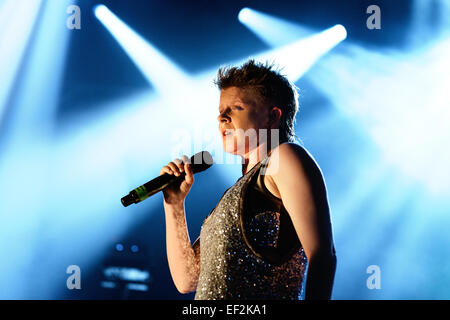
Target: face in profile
{"points": [[240, 118]]}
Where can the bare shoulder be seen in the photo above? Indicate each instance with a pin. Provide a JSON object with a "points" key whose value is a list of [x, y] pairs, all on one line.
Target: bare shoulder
{"points": [[291, 156], [293, 165]]}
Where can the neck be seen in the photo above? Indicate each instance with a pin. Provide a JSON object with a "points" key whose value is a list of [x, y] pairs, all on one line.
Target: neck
{"points": [[250, 159]]}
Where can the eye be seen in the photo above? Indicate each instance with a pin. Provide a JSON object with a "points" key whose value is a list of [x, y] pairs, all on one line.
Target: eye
{"points": [[238, 108]]}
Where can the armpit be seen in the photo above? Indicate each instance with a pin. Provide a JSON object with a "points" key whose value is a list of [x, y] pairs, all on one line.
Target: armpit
{"points": [[196, 247]]}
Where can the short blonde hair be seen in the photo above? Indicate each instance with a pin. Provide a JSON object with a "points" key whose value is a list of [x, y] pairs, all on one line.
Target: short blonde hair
{"points": [[273, 88]]}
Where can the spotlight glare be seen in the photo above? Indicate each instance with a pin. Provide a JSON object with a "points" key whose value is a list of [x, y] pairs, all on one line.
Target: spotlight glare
{"points": [[341, 32], [101, 11], [244, 14], [272, 30], [299, 56]]}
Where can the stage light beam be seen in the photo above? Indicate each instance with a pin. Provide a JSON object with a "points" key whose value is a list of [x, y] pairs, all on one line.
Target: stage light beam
{"points": [[271, 29], [26, 150], [34, 101], [17, 18], [298, 57], [162, 73]]}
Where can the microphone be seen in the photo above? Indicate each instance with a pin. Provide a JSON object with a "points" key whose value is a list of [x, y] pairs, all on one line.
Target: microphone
{"points": [[199, 162]]}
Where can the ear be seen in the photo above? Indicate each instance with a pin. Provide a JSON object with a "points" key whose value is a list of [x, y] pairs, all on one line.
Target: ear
{"points": [[274, 117]]}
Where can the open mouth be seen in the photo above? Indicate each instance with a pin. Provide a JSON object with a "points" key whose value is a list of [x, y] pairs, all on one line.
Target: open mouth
{"points": [[227, 133]]}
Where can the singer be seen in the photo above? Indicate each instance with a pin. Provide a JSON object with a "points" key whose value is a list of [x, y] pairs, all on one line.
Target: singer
{"points": [[270, 235]]}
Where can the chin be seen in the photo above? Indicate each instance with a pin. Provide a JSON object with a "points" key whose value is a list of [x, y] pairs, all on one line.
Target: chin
{"points": [[235, 147], [230, 149], [230, 146]]}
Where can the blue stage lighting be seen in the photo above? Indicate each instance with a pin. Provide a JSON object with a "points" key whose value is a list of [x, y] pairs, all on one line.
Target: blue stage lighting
{"points": [[272, 30], [408, 122], [244, 14], [17, 18], [27, 136], [101, 11], [158, 69], [298, 57], [35, 101]]}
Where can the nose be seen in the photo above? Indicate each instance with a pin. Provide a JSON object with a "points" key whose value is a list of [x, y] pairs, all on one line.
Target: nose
{"points": [[223, 118]]}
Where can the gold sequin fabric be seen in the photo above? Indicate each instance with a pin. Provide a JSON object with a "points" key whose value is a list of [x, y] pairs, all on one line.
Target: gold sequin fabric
{"points": [[230, 269]]}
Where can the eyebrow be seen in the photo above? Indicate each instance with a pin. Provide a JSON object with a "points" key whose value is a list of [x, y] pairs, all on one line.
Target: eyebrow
{"points": [[234, 103]]}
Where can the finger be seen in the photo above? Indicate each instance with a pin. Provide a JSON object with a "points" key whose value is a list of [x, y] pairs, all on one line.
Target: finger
{"points": [[174, 168], [185, 159], [166, 169], [179, 164], [189, 174], [188, 169]]}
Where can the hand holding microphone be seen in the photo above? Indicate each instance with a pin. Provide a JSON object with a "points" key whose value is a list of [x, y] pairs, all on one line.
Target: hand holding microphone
{"points": [[176, 192], [176, 179]]}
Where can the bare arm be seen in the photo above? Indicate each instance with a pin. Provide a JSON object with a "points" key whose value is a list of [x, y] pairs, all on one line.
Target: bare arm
{"points": [[312, 224], [183, 258]]}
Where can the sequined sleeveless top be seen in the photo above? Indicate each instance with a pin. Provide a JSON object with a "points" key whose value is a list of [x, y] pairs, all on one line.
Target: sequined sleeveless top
{"points": [[248, 246]]}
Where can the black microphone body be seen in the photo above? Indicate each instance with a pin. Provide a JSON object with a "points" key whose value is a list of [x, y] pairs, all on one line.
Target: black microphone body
{"points": [[199, 162]]}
